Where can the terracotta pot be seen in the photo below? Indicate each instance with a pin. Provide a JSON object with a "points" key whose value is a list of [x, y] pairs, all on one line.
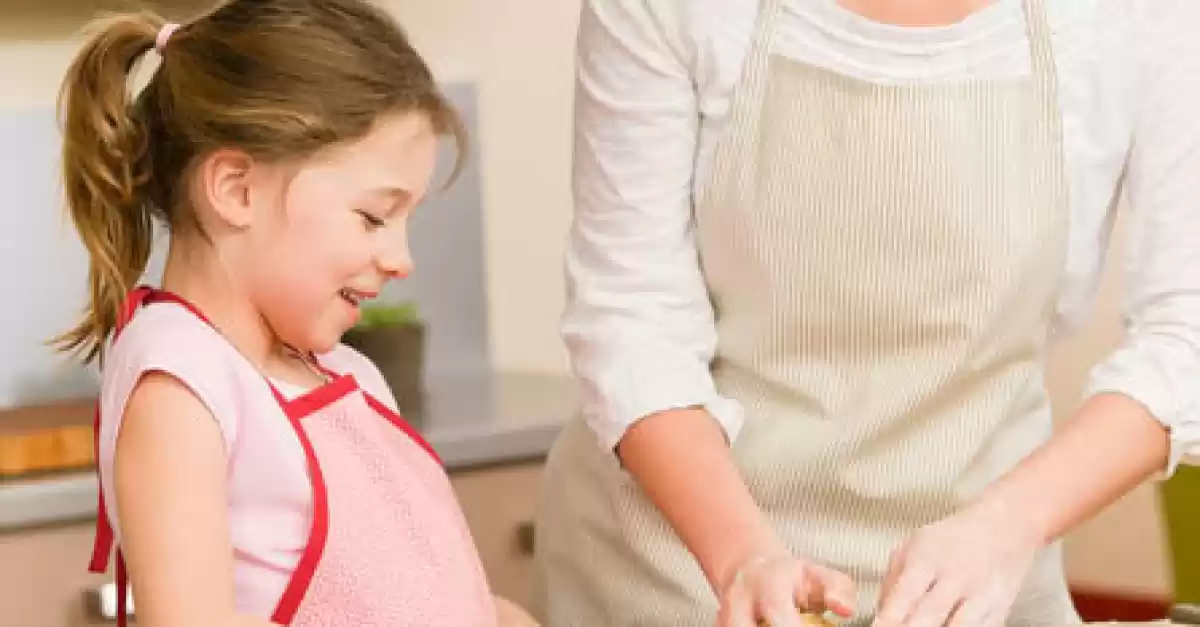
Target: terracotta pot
{"points": [[399, 353]]}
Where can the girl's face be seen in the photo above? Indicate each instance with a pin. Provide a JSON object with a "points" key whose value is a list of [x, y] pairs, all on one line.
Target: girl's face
{"points": [[329, 236]]}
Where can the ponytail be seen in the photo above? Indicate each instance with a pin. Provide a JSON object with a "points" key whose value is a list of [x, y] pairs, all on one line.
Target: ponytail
{"points": [[105, 170], [279, 80]]}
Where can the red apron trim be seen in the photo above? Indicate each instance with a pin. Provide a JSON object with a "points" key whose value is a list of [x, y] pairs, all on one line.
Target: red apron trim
{"points": [[132, 303], [296, 409], [103, 544], [306, 568], [105, 538], [399, 421], [122, 590], [160, 296], [318, 398]]}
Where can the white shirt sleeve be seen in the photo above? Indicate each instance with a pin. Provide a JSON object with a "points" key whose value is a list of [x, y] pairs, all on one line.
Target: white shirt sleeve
{"points": [[638, 324], [1159, 363]]}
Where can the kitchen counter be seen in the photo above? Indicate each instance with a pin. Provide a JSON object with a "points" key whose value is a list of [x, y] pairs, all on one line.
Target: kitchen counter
{"points": [[503, 418], [471, 421]]}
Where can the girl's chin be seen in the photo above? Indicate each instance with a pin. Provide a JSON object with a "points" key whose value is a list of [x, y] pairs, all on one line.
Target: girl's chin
{"points": [[331, 328], [322, 341], [328, 341]]}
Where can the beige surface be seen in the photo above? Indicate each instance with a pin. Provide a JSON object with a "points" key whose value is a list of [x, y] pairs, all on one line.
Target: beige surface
{"points": [[43, 575], [496, 501]]}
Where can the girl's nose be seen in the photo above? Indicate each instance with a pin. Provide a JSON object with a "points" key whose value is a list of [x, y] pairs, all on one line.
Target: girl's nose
{"points": [[396, 262], [394, 258]]}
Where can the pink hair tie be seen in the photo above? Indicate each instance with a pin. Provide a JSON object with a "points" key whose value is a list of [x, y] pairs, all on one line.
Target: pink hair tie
{"points": [[164, 35]]}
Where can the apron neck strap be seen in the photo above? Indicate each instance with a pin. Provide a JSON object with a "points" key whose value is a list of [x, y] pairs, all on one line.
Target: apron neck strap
{"points": [[771, 11], [748, 94], [1041, 52]]}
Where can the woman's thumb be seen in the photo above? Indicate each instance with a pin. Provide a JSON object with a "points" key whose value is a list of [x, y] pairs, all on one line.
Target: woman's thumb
{"points": [[839, 592]]}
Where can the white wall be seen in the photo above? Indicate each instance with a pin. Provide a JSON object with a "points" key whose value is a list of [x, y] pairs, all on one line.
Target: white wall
{"points": [[521, 55]]}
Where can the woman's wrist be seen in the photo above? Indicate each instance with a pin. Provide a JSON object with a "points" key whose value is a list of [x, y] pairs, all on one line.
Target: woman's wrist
{"points": [[712, 511], [997, 509], [1046, 495], [730, 563]]}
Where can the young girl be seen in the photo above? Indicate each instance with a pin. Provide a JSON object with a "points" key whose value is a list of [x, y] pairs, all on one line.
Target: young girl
{"points": [[253, 470]]}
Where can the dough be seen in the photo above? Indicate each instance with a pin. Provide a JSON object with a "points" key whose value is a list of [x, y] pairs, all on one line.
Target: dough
{"points": [[807, 620]]}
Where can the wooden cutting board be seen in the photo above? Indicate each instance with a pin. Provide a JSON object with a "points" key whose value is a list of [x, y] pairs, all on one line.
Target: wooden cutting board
{"points": [[46, 438]]}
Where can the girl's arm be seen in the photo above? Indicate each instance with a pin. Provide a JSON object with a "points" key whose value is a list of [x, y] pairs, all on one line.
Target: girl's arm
{"points": [[170, 472]]}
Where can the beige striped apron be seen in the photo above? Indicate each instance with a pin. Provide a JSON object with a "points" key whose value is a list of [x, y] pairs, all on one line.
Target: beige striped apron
{"points": [[884, 262]]}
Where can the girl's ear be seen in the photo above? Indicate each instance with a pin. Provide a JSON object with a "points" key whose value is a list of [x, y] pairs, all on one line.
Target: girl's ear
{"points": [[225, 179]]}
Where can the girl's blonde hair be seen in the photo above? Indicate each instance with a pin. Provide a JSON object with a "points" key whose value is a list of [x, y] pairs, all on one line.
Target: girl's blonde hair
{"points": [[277, 79]]}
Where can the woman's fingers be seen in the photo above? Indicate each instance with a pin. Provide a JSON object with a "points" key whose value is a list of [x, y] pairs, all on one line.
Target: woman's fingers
{"points": [[737, 607], [777, 591], [829, 590], [777, 597]]}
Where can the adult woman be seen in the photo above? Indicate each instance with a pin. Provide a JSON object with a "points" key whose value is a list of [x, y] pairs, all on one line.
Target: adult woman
{"points": [[822, 379]]}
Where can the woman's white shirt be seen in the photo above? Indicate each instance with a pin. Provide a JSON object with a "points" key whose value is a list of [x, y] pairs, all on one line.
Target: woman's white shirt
{"points": [[655, 79]]}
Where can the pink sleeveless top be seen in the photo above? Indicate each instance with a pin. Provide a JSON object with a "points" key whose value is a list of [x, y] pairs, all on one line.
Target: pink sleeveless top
{"points": [[271, 495]]}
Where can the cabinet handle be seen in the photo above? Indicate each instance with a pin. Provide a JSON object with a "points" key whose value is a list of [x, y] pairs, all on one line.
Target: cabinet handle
{"points": [[100, 602], [1186, 614], [525, 535]]}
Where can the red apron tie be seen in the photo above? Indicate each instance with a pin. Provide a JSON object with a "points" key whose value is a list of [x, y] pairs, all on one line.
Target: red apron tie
{"points": [[104, 541]]}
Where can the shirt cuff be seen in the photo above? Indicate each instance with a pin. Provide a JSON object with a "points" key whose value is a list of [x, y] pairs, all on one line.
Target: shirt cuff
{"points": [[1167, 389], [619, 398]]}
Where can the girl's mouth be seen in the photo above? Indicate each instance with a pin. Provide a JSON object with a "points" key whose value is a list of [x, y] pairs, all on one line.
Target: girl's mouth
{"points": [[355, 297]]}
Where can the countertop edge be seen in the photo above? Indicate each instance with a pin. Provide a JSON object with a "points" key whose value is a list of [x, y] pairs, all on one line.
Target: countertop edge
{"points": [[499, 439], [47, 501], [73, 497]]}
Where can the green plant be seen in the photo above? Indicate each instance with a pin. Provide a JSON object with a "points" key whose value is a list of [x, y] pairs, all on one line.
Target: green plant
{"points": [[378, 315]]}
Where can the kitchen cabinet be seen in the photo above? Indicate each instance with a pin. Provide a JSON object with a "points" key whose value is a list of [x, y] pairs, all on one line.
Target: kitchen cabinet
{"points": [[44, 579], [499, 504], [492, 434]]}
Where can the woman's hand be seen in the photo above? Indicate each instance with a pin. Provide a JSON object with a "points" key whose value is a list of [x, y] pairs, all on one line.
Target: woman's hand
{"points": [[964, 571], [717, 519], [777, 587], [968, 569]]}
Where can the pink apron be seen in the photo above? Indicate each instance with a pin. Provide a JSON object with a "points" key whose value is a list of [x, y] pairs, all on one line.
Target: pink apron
{"points": [[388, 545]]}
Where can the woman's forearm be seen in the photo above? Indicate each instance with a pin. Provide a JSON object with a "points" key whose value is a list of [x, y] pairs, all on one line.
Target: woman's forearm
{"points": [[682, 461], [1106, 449]]}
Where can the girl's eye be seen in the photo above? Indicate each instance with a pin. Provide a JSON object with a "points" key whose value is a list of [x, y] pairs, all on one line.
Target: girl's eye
{"points": [[372, 221]]}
